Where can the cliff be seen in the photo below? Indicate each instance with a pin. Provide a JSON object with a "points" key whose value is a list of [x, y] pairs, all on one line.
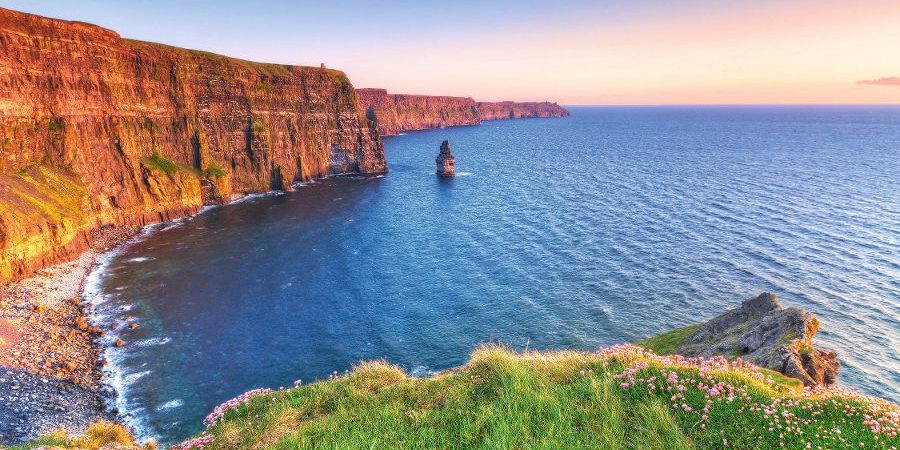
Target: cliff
{"points": [[518, 110], [96, 129], [400, 112]]}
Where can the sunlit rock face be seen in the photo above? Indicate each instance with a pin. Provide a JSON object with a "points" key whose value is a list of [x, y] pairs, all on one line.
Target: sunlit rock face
{"points": [[770, 336], [394, 113], [96, 129], [518, 110]]}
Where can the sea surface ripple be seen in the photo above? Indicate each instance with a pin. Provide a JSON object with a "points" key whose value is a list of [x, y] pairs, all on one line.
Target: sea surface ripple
{"points": [[605, 227]]}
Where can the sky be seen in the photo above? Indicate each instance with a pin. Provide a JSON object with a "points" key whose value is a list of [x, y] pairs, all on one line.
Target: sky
{"points": [[572, 52]]}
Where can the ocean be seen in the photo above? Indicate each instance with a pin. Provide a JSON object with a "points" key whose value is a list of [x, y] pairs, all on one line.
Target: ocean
{"points": [[608, 226]]}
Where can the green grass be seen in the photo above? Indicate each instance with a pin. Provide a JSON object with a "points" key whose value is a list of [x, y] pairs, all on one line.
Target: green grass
{"points": [[213, 171], [100, 435], [562, 400], [665, 344], [161, 163]]}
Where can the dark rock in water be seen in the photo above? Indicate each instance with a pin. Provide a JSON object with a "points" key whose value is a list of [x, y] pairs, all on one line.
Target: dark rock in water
{"points": [[446, 163], [764, 333]]}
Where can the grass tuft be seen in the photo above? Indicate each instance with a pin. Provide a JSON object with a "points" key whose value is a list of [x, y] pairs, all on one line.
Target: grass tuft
{"points": [[618, 398], [161, 163], [666, 343]]}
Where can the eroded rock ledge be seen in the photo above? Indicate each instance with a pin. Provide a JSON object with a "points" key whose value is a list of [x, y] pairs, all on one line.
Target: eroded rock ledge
{"points": [[770, 336]]}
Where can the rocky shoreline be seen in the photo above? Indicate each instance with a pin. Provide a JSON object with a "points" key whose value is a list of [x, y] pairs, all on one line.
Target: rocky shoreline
{"points": [[50, 361]]}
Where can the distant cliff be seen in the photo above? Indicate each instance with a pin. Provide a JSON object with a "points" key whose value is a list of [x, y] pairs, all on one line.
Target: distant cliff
{"points": [[400, 112], [518, 110], [96, 129]]}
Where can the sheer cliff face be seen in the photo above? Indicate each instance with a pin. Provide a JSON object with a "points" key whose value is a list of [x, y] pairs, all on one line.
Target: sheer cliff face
{"points": [[518, 110], [96, 129], [399, 112]]}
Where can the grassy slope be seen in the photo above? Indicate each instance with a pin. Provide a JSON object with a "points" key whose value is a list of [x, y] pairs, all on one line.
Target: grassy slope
{"points": [[503, 400], [101, 435], [619, 398], [666, 343]]}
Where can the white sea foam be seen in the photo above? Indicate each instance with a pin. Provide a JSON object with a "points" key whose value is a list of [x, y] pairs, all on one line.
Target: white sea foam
{"points": [[171, 404], [140, 259], [206, 208], [153, 342], [131, 378], [422, 372]]}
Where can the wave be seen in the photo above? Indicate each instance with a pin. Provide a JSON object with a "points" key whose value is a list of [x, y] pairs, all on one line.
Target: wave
{"points": [[153, 342], [422, 372], [171, 404]]}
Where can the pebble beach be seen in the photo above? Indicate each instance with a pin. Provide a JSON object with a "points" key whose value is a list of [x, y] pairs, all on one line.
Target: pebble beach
{"points": [[50, 363]]}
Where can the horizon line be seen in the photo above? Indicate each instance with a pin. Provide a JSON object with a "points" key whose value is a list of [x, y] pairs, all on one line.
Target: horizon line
{"points": [[723, 104]]}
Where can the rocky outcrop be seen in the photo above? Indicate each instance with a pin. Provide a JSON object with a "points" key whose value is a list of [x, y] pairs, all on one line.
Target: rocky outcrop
{"points": [[394, 113], [770, 336], [96, 129], [446, 163]]}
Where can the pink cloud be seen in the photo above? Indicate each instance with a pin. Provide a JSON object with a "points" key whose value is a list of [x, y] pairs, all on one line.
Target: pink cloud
{"points": [[886, 81]]}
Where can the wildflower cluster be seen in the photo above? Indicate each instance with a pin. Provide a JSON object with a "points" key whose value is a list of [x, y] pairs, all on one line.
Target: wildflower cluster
{"points": [[695, 388], [196, 443], [220, 410]]}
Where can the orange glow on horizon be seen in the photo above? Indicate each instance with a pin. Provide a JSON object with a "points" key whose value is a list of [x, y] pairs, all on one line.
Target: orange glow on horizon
{"points": [[805, 52]]}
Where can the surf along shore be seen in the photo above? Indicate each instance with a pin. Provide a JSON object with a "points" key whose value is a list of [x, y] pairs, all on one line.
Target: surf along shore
{"points": [[51, 352], [50, 360]]}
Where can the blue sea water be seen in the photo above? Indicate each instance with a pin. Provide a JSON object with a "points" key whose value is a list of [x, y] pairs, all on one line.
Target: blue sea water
{"points": [[605, 227]]}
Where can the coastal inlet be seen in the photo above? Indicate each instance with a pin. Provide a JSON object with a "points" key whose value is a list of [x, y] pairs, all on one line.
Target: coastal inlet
{"points": [[605, 227]]}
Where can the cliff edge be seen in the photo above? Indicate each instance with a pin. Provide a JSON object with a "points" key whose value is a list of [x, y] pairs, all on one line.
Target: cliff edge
{"points": [[99, 130], [394, 113]]}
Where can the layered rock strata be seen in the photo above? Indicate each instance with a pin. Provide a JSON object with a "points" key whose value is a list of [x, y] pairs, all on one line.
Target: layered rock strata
{"points": [[99, 130], [395, 113], [770, 336], [445, 161]]}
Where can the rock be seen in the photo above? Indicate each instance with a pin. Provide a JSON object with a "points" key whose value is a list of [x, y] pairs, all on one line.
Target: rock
{"points": [[133, 326], [119, 343], [81, 323], [446, 163], [394, 113], [90, 151], [764, 333]]}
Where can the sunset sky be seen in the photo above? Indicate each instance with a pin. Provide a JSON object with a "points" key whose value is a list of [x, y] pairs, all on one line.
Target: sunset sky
{"points": [[573, 52]]}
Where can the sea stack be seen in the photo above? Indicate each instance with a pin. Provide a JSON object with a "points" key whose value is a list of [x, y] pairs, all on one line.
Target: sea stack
{"points": [[446, 163]]}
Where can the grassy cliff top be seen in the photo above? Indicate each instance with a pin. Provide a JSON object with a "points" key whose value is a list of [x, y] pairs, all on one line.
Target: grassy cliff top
{"points": [[623, 397]]}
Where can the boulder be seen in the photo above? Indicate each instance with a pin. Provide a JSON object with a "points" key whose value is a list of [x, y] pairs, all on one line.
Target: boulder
{"points": [[446, 163], [764, 333]]}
